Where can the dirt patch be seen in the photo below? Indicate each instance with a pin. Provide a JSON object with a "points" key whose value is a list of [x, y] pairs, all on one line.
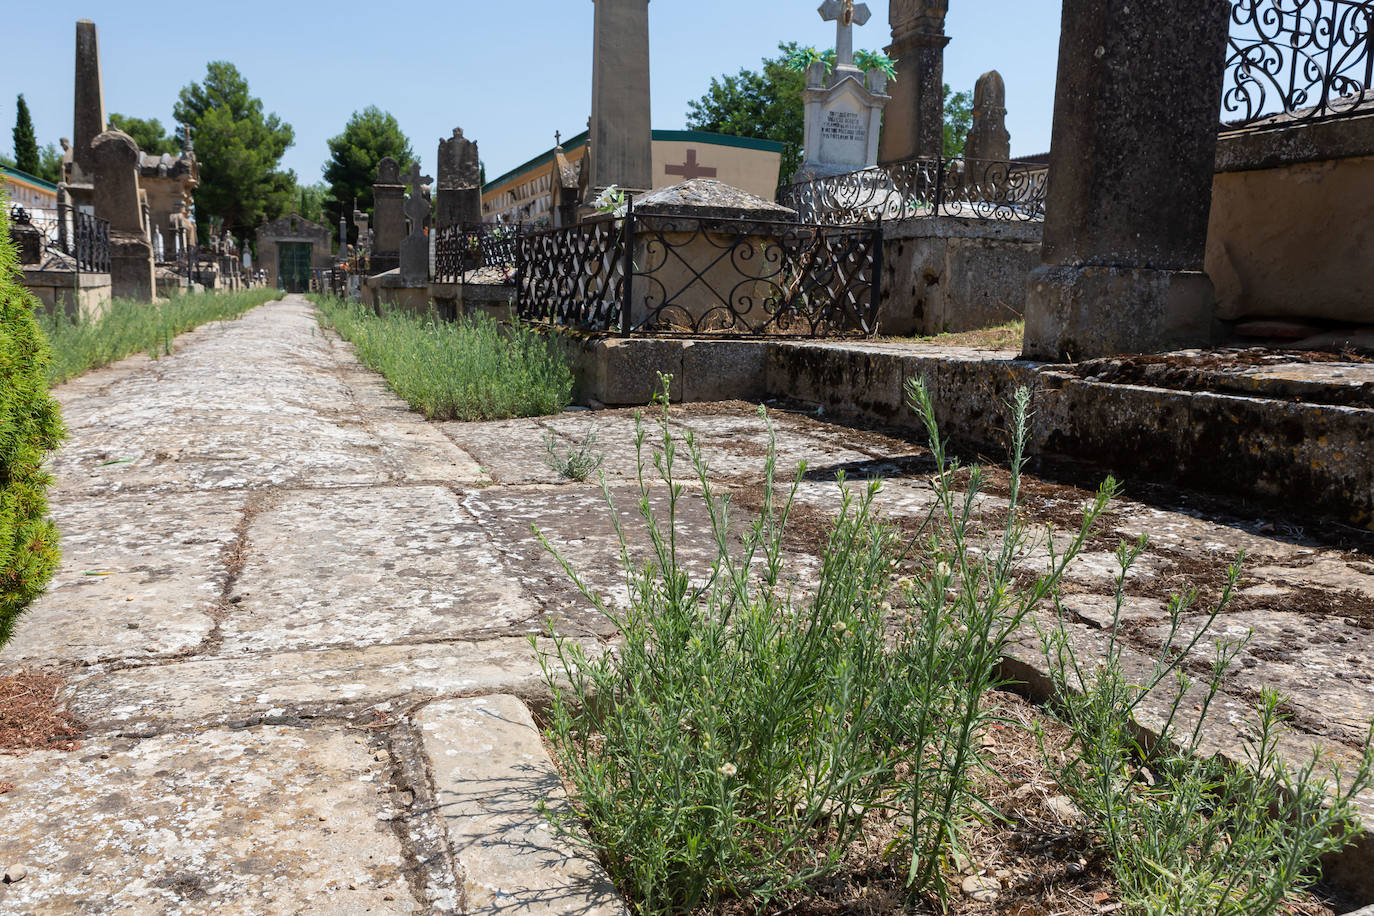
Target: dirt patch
{"points": [[31, 715]]}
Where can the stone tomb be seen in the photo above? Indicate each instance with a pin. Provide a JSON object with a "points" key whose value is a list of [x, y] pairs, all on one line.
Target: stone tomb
{"points": [[844, 111], [114, 160], [458, 196], [290, 248]]}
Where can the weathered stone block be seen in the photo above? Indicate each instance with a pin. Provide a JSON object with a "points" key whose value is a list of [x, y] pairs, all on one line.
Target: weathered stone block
{"points": [[1077, 313], [721, 370]]}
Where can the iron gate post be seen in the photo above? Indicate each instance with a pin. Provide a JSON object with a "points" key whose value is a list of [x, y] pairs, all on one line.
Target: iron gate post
{"points": [[627, 291], [876, 303]]}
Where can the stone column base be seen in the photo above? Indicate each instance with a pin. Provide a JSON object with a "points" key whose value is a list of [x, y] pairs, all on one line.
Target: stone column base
{"points": [[1075, 313], [131, 268]]}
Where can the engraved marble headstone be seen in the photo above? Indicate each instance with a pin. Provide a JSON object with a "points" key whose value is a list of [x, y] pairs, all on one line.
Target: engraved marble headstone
{"points": [[844, 111]]}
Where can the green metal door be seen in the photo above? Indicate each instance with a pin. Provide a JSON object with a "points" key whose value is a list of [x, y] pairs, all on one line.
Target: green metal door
{"points": [[293, 266]]}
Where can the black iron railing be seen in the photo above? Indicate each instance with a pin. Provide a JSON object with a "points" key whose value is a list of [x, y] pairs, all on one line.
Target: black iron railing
{"points": [[573, 277], [923, 187], [688, 276], [1307, 59], [91, 243], [459, 250], [83, 238]]}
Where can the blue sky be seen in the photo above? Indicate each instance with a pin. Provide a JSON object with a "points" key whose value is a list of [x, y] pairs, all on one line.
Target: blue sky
{"points": [[509, 74]]}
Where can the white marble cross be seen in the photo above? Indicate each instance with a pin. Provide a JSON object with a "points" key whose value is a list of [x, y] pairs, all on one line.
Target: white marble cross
{"points": [[846, 14]]}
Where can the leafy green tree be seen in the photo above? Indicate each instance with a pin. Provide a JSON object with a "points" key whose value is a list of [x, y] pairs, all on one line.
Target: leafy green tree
{"points": [[147, 133], [30, 428], [958, 120], [761, 104], [369, 137], [25, 140], [311, 200], [239, 149], [50, 163]]}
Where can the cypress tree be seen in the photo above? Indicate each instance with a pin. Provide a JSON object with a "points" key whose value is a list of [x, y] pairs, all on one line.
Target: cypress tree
{"points": [[30, 428], [25, 140]]}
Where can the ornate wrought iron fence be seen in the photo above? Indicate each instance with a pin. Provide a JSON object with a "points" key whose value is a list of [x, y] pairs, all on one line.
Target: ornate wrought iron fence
{"points": [[460, 249], [91, 245], [85, 239], [687, 276], [572, 277], [1308, 59], [923, 187]]}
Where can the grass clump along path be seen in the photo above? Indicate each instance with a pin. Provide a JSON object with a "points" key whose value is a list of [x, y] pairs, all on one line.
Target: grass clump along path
{"points": [[766, 734], [30, 428], [472, 369], [126, 327]]}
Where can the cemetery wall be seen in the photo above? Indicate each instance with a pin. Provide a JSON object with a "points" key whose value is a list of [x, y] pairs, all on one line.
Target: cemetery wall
{"points": [[948, 274], [1288, 235], [77, 295]]}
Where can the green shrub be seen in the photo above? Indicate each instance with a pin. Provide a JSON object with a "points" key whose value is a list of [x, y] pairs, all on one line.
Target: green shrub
{"points": [[471, 369], [30, 428], [575, 462], [127, 327]]}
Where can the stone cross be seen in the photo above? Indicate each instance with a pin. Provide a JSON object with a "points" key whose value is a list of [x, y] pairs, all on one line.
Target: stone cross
{"points": [[417, 208], [845, 14]]}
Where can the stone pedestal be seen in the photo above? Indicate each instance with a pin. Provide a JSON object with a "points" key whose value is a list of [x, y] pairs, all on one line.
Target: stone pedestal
{"points": [[131, 267], [915, 123], [621, 130], [1130, 181]]}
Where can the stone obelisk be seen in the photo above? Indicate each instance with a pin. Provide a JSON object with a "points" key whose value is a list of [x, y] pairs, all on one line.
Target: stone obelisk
{"points": [[621, 132]]}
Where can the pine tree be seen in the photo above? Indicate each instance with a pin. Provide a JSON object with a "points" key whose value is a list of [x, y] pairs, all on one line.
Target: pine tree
{"points": [[25, 140], [30, 428]]}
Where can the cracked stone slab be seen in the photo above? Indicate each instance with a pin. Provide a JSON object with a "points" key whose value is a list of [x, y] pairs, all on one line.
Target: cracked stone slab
{"points": [[265, 400], [139, 578], [577, 522], [212, 691], [490, 773], [371, 566], [267, 820]]}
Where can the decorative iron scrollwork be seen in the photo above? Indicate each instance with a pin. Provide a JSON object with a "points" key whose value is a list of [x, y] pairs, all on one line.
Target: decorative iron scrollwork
{"points": [[1307, 59], [687, 276], [923, 187]]}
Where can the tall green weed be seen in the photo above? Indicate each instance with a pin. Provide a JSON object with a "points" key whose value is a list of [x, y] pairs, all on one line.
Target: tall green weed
{"points": [[127, 327], [470, 369]]}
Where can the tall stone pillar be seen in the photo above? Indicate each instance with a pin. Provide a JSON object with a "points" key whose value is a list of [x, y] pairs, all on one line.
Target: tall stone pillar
{"points": [[621, 130], [88, 113], [915, 121], [114, 159], [1130, 182]]}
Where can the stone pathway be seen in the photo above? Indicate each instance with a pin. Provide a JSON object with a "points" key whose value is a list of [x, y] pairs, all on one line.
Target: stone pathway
{"points": [[293, 617]]}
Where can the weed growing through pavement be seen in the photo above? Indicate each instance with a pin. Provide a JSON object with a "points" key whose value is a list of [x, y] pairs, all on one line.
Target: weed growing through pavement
{"points": [[1185, 832], [127, 327], [576, 462], [474, 368], [745, 733]]}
